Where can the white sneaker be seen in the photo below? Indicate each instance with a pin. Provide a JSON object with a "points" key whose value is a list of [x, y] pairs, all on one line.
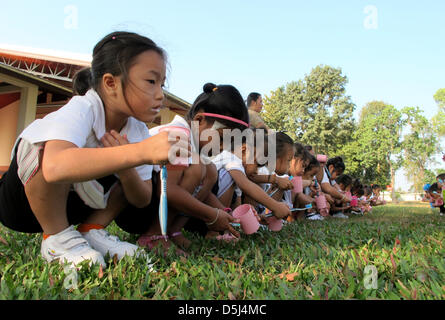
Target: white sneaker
{"points": [[105, 243], [69, 246], [314, 216], [340, 215], [357, 213]]}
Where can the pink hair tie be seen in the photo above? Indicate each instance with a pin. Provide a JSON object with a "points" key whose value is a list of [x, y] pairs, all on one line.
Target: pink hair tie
{"points": [[215, 115]]}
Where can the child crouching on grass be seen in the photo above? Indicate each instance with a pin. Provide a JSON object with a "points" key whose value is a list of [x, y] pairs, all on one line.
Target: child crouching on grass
{"points": [[190, 200], [234, 171], [436, 198], [90, 162], [277, 182]]}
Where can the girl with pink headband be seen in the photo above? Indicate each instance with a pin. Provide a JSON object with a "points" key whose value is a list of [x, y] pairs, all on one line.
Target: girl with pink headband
{"points": [[189, 190]]}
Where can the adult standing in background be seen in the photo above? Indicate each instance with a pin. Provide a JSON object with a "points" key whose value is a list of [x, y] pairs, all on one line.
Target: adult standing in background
{"points": [[255, 105]]}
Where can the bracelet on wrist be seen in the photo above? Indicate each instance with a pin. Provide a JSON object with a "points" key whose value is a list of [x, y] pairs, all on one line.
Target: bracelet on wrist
{"points": [[216, 219]]}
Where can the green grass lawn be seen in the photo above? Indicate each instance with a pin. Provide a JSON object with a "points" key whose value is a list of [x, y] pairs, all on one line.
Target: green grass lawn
{"points": [[306, 260]]}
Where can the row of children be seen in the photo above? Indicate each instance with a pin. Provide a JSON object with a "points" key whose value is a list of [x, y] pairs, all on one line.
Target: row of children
{"points": [[94, 161], [435, 193]]}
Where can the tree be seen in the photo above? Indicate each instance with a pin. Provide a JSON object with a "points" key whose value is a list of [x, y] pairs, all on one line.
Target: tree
{"points": [[374, 152], [438, 120], [419, 146], [315, 110]]}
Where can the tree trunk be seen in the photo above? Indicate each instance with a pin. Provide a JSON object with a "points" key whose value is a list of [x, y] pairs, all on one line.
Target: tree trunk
{"points": [[393, 184]]}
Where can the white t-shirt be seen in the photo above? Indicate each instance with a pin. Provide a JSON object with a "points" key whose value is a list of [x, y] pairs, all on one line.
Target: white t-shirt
{"points": [[326, 178], [82, 122], [228, 161]]}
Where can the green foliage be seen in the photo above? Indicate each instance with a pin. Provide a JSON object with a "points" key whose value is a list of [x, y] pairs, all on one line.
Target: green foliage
{"points": [[373, 152], [306, 260], [315, 110], [439, 97], [438, 120], [419, 146]]}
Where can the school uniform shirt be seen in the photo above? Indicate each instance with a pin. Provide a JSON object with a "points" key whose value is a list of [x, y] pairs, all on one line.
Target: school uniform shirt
{"points": [[226, 162], [82, 122], [326, 178]]}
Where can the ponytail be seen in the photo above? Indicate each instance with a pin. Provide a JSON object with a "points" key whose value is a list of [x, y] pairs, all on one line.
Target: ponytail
{"points": [[82, 82]]}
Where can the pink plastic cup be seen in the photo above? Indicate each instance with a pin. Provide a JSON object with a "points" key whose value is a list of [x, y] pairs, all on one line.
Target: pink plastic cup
{"points": [[248, 220], [298, 184], [322, 158], [275, 224], [354, 202], [178, 163], [321, 202]]}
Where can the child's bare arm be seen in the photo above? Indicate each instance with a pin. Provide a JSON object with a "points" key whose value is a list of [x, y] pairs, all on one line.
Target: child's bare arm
{"points": [[251, 189], [64, 162]]}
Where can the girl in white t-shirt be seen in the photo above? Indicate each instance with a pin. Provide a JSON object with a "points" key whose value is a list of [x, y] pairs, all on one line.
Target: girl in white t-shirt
{"points": [[53, 182], [238, 172], [190, 201]]}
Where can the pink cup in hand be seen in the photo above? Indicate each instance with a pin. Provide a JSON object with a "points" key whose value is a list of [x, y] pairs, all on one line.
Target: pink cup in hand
{"points": [[321, 202], [275, 224], [298, 184], [178, 163], [322, 158], [249, 222], [354, 202]]}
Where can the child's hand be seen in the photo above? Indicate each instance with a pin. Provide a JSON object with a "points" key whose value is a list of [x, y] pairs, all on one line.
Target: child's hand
{"points": [[159, 148], [224, 223], [284, 183], [114, 139], [281, 210]]}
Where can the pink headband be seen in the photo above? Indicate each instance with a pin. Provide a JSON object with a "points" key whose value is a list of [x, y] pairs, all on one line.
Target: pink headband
{"points": [[215, 115]]}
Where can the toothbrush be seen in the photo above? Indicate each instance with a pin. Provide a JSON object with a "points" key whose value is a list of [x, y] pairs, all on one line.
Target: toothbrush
{"points": [[163, 206]]}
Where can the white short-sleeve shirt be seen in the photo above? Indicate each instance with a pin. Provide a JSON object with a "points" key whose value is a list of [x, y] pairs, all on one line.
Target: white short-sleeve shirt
{"points": [[82, 122], [228, 161]]}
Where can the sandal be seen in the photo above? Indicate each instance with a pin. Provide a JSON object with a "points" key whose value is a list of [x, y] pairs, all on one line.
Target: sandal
{"points": [[227, 237], [180, 240], [152, 243]]}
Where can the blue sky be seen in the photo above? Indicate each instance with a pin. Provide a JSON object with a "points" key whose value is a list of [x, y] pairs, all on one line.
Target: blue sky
{"points": [[259, 45]]}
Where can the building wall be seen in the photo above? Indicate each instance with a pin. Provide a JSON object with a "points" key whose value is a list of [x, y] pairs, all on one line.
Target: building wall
{"points": [[8, 129]]}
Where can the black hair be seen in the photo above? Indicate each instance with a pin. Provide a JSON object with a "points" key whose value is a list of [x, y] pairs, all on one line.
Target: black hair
{"points": [[282, 141], [376, 186], [434, 188], [308, 148], [253, 96], [344, 179], [338, 164], [114, 54], [313, 163], [367, 190], [357, 188], [441, 176], [301, 152], [224, 100]]}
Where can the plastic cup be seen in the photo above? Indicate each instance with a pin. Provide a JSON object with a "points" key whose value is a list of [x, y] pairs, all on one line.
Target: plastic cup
{"points": [[321, 202], [248, 221], [354, 202], [298, 184], [322, 158], [178, 163], [275, 224]]}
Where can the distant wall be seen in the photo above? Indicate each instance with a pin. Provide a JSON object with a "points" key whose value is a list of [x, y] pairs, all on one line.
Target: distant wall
{"points": [[8, 130]]}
